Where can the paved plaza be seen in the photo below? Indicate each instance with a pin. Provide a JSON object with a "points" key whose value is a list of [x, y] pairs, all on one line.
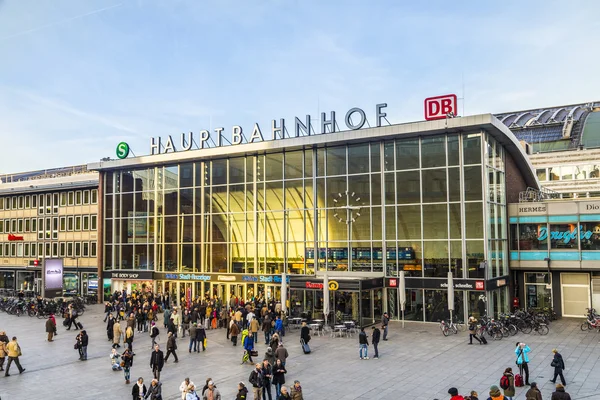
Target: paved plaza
{"points": [[416, 363]]}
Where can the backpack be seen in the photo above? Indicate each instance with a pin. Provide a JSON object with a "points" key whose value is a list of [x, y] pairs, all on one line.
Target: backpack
{"points": [[504, 382]]}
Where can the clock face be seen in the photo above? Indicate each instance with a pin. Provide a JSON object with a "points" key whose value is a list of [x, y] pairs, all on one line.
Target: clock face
{"points": [[347, 206]]}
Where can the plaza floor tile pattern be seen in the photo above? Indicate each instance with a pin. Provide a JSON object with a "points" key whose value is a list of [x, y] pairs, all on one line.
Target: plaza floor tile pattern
{"points": [[416, 363]]}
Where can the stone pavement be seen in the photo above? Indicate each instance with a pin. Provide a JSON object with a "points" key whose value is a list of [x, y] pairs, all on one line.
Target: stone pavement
{"points": [[416, 363]]}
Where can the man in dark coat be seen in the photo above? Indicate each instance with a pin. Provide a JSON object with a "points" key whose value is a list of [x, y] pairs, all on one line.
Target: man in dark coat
{"points": [[375, 341], [109, 328], [559, 365], [157, 361], [560, 393], [171, 347], [200, 336]]}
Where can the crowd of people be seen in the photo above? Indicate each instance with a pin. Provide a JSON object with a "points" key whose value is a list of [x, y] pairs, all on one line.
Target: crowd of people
{"points": [[137, 313], [128, 315], [509, 381]]}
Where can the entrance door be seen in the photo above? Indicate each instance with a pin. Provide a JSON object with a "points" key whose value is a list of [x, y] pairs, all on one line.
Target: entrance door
{"points": [[575, 289]]}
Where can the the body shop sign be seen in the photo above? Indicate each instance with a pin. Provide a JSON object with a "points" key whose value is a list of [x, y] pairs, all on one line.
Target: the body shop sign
{"points": [[53, 277]]}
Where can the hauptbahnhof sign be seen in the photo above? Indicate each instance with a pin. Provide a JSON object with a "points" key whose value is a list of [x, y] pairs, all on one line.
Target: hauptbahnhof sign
{"points": [[354, 119]]}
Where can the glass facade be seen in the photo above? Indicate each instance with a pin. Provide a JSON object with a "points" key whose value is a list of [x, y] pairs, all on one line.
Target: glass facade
{"points": [[418, 205]]}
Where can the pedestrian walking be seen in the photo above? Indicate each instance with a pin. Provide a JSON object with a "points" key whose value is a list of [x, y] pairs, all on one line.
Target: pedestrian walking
{"points": [[242, 393], [248, 343], [154, 333], [274, 342], [154, 391], [507, 383], [473, 330], [183, 388], [256, 380], [281, 353], [385, 320], [234, 331], [279, 372], [270, 356], [107, 310], [453, 392], [472, 396], [305, 333], [560, 393], [205, 388], [141, 321], [522, 351], [296, 391], [533, 393], [3, 350], [211, 392], [267, 328], [559, 365], [193, 340], [254, 326], [185, 322], [127, 363], [139, 390], [495, 393], [110, 328], [284, 395], [267, 373], [129, 338], [13, 350], [157, 361], [54, 322], [50, 329], [166, 316], [363, 344], [201, 338], [171, 347], [117, 332], [82, 345], [375, 340]]}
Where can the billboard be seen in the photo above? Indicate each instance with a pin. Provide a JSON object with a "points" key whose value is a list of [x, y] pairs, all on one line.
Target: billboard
{"points": [[53, 277]]}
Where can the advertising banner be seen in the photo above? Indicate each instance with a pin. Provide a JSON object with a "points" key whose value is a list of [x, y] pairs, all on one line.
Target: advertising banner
{"points": [[53, 277]]}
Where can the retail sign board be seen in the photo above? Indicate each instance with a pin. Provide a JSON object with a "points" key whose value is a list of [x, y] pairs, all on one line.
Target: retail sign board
{"points": [[53, 277], [441, 107]]}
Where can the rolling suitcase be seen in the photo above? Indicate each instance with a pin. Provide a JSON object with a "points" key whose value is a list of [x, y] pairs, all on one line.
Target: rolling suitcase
{"points": [[305, 347], [519, 380], [483, 339], [79, 325]]}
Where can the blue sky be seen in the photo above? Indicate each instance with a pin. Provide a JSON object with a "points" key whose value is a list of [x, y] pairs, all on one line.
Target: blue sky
{"points": [[77, 77]]}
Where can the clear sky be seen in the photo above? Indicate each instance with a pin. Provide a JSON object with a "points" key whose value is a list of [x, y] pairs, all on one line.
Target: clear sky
{"points": [[79, 76]]}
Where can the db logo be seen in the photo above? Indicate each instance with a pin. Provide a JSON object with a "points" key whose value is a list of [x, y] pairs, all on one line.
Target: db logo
{"points": [[439, 107], [479, 285], [393, 283]]}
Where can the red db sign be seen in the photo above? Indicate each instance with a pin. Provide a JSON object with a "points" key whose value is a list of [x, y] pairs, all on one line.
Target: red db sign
{"points": [[440, 106]]}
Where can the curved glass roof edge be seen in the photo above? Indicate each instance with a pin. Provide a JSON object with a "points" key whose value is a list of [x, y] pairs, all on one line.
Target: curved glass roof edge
{"points": [[473, 123]]}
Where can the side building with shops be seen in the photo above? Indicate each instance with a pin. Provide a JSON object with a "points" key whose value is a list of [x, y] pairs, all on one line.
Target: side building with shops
{"points": [[555, 233], [49, 214], [360, 205]]}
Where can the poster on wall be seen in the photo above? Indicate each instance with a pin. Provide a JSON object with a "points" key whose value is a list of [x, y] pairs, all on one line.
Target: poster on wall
{"points": [[53, 277]]}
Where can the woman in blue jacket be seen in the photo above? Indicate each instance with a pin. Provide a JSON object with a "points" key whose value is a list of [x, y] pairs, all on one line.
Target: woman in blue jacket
{"points": [[248, 345], [522, 352]]}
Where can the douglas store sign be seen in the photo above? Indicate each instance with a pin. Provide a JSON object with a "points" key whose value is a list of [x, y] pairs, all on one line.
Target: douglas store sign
{"points": [[564, 236]]}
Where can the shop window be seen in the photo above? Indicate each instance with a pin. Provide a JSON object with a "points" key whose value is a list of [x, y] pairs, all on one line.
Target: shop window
{"points": [[436, 305], [538, 290], [562, 236], [589, 235], [533, 237]]}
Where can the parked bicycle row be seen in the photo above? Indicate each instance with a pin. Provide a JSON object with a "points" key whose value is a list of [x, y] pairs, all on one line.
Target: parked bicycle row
{"points": [[39, 307]]}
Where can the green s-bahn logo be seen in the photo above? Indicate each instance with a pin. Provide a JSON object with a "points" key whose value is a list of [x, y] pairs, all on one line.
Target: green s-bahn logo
{"points": [[122, 150]]}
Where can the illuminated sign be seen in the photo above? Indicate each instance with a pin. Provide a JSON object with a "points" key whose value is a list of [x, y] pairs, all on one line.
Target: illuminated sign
{"points": [[226, 278], [393, 282], [565, 236], [480, 285], [122, 150], [53, 277], [354, 119], [188, 277], [441, 107], [333, 285], [264, 278]]}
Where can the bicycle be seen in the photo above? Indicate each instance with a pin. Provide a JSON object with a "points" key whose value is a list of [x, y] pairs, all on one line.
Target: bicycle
{"points": [[444, 328]]}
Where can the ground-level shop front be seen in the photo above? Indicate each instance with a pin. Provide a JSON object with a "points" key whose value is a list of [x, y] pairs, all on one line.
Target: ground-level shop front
{"points": [[567, 292], [359, 300], [182, 287], [82, 281], [427, 298]]}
